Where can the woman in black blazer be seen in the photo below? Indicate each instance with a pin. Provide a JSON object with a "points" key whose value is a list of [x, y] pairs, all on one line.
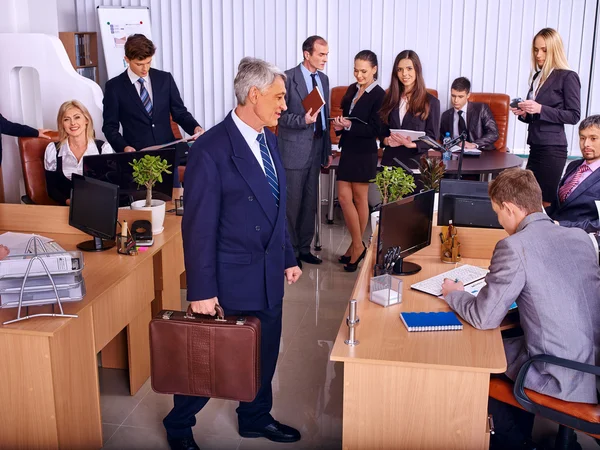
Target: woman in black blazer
{"points": [[407, 105], [358, 142], [553, 100]]}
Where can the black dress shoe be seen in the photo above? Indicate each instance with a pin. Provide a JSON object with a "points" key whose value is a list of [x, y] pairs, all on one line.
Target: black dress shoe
{"points": [[352, 266], [183, 444], [299, 263], [310, 258], [276, 432]]}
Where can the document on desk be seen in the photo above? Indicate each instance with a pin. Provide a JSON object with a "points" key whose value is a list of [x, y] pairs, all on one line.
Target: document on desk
{"points": [[17, 242], [475, 287]]}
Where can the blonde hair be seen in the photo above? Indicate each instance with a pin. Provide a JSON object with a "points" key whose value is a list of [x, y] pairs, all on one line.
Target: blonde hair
{"points": [[555, 54], [62, 134]]}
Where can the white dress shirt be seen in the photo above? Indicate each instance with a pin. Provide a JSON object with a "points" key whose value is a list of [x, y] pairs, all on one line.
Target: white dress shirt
{"points": [[250, 134], [455, 125], [134, 80], [402, 109], [70, 165]]}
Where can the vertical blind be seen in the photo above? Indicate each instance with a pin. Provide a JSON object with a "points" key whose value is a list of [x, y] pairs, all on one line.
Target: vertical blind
{"points": [[489, 41]]}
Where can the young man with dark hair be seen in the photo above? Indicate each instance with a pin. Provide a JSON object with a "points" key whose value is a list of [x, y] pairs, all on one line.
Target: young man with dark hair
{"points": [[142, 100], [476, 118], [552, 274], [579, 189]]}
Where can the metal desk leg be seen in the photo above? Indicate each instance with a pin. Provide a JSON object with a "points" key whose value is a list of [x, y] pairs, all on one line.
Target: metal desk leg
{"points": [[331, 195], [318, 217]]}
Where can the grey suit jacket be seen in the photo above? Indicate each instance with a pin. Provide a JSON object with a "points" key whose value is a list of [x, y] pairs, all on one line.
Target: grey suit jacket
{"points": [[552, 273], [481, 125], [294, 136]]}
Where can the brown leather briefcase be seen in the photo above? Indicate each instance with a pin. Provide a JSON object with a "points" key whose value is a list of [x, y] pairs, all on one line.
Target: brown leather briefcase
{"points": [[193, 354]]}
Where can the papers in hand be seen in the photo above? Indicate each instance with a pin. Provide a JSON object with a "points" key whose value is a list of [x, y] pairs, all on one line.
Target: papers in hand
{"points": [[349, 118], [411, 134], [169, 144]]}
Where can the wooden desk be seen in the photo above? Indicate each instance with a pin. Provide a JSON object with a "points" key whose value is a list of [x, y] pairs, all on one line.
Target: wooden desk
{"points": [[418, 390], [48, 369]]}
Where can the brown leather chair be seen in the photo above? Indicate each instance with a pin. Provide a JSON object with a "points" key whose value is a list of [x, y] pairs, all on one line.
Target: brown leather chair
{"points": [[499, 104], [335, 109], [433, 92], [570, 416], [32, 161], [175, 129]]}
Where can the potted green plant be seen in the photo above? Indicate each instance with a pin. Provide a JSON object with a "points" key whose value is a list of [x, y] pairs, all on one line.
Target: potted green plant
{"points": [[146, 172], [393, 183], [432, 172]]}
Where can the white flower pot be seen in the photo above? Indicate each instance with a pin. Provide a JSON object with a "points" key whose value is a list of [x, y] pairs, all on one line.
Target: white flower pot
{"points": [[158, 213]]}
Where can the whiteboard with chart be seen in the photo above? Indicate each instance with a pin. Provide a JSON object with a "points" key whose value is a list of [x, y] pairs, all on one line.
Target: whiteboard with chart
{"points": [[116, 24]]}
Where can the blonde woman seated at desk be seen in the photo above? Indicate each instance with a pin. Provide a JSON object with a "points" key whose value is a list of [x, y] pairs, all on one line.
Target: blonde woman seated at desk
{"points": [[65, 157]]}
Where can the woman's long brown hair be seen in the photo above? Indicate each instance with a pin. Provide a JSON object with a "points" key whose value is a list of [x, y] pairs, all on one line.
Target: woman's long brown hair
{"points": [[418, 104]]}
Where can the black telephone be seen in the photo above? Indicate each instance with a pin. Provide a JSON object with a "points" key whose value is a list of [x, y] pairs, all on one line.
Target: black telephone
{"points": [[141, 230]]}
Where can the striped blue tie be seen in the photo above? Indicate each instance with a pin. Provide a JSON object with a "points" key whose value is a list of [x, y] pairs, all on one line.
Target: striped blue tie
{"points": [[269, 170], [145, 97]]}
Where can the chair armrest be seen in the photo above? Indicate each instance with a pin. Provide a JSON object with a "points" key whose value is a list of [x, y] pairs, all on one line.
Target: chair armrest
{"points": [[552, 414]]}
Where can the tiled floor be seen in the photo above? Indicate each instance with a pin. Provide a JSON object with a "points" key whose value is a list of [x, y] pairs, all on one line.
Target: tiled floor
{"points": [[307, 386]]}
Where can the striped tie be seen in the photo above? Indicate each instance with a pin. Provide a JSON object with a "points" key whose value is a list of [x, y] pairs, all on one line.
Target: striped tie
{"points": [[570, 186], [145, 97], [269, 170]]}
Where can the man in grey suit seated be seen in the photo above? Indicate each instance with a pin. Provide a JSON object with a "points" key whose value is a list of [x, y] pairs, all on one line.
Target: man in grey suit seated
{"points": [[552, 273], [476, 118]]}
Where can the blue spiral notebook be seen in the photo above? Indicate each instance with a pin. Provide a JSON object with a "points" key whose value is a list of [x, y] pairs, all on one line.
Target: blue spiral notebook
{"points": [[431, 321]]}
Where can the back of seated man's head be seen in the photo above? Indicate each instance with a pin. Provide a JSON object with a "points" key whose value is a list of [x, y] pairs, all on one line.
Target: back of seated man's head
{"points": [[139, 51], [589, 138], [515, 194], [460, 91]]}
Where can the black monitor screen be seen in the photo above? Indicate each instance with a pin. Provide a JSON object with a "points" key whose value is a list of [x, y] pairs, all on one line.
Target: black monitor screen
{"points": [[466, 203], [406, 223], [116, 168], [94, 207]]}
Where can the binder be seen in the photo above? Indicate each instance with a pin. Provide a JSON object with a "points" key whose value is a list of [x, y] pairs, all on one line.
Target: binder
{"points": [[431, 321], [313, 100]]}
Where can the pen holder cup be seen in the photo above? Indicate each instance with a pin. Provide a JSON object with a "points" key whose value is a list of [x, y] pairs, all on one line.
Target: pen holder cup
{"points": [[386, 290], [125, 245]]}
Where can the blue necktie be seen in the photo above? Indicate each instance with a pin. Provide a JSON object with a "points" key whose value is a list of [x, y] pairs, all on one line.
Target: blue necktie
{"points": [[145, 97], [269, 170]]}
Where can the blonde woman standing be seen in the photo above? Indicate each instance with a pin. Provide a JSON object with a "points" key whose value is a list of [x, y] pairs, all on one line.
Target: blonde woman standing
{"points": [[553, 100]]}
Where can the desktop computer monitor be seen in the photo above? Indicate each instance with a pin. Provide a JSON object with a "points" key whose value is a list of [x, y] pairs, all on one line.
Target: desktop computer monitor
{"points": [[115, 168], [93, 210], [467, 204], [405, 224]]}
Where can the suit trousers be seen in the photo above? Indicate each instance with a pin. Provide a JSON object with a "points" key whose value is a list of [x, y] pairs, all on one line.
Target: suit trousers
{"points": [[302, 193], [254, 414]]}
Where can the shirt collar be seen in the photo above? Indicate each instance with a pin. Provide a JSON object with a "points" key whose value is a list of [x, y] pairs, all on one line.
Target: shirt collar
{"points": [[595, 165], [65, 150], [248, 133], [133, 77], [369, 87], [306, 72], [464, 108]]}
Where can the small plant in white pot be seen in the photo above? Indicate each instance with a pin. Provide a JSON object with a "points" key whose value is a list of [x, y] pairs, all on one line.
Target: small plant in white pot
{"points": [[146, 172]]}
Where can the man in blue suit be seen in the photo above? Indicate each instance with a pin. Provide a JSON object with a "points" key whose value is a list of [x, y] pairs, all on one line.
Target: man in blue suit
{"points": [[141, 100], [579, 189], [236, 246]]}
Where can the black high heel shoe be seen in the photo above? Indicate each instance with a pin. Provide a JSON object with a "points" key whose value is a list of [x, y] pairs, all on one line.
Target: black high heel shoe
{"points": [[344, 259], [352, 266]]}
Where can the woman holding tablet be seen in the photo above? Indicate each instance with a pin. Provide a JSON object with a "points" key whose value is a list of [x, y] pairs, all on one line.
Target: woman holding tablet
{"points": [[408, 106], [358, 141], [553, 100]]}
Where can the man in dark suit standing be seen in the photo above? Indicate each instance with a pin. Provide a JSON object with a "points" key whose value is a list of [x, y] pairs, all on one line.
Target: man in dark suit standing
{"points": [[579, 189], [305, 144], [476, 118], [141, 100], [236, 246]]}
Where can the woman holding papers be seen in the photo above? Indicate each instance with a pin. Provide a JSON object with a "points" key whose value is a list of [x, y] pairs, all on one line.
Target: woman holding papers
{"points": [[553, 100], [65, 157], [407, 106], [358, 141]]}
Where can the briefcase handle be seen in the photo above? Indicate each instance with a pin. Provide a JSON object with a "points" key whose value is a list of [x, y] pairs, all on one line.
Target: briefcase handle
{"points": [[220, 313]]}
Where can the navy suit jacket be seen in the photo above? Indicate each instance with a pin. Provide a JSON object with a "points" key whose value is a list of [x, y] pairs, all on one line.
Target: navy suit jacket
{"points": [[14, 129], [579, 209], [560, 100], [235, 239], [122, 104]]}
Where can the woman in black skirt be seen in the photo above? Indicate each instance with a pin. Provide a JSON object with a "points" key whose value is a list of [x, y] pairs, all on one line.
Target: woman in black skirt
{"points": [[358, 142], [553, 101]]}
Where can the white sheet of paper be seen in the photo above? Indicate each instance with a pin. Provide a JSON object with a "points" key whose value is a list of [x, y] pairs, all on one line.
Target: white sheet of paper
{"points": [[17, 242], [158, 147], [411, 134]]}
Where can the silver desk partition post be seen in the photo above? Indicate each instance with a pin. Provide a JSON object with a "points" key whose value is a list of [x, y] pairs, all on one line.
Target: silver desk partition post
{"points": [[352, 321]]}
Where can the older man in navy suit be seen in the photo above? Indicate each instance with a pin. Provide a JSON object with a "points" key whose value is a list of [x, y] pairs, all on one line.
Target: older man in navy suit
{"points": [[579, 189], [237, 249]]}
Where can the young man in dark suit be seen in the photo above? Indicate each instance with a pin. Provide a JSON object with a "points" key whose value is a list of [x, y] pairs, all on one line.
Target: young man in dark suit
{"points": [[303, 137], [475, 118], [235, 240], [142, 100], [579, 189]]}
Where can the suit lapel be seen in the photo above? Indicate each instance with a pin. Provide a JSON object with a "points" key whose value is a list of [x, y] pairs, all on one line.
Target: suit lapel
{"points": [[584, 186], [472, 116], [250, 169], [552, 79], [132, 91], [300, 83]]}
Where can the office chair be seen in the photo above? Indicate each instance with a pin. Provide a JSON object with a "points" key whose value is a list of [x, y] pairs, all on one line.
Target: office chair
{"points": [[32, 152], [499, 105]]}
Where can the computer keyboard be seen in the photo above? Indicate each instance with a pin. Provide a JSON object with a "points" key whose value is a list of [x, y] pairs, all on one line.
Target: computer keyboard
{"points": [[466, 273]]}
